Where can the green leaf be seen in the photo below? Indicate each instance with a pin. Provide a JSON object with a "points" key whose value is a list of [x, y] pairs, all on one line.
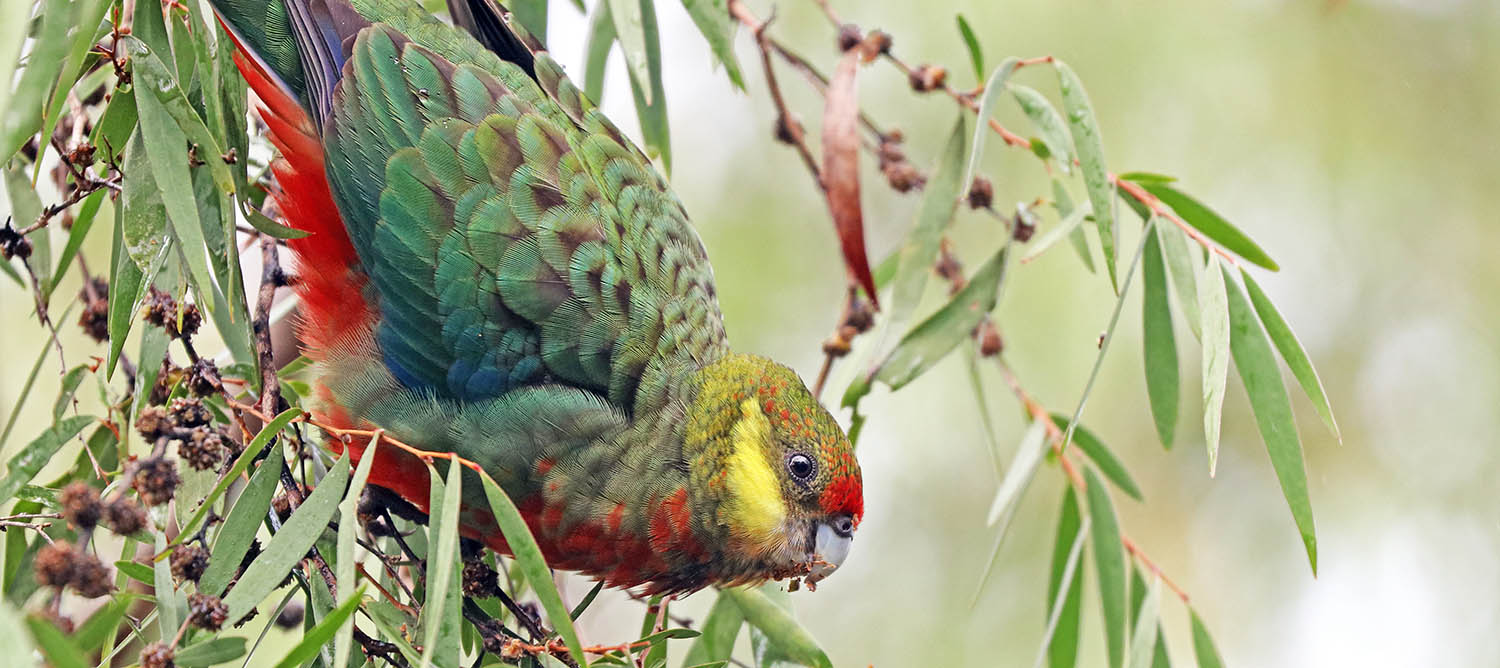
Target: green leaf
{"points": [[1147, 177], [261, 223], [1211, 224], [1109, 562], [1109, 336], [532, 14], [88, 211], [1110, 465], [630, 28], [720, 630], [210, 652], [1273, 411], [313, 640], [713, 20], [1214, 306], [596, 51], [241, 463], [1080, 241], [588, 599], [1049, 124], [168, 160], [1183, 267], [1018, 475], [86, 29], [30, 460], [23, 113], [779, 627], [1203, 644], [346, 558], [1160, 343], [171, 603], [939, 202], [25, 209], [971, 42], [1143, 643], [1085, 130], [1292, 351], [1065, 586], [55, 647], [290, 544], [993, 88], [18, 651], [100, 627], [144, 224], [439, 608], [166, 91], [1159, 658], [528, 556], [1067, 226], [650, 97], [933, 338], [976, 384], [14, 21], [70, 382], [136, 571], [248, 510]]}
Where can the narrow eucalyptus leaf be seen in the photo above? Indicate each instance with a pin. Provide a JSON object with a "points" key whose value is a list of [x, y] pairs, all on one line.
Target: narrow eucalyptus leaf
{"points": [[1094, 448], [1213, 304], [1259, 372], [1203, 644], [1049, 124], [713, 20], [1086, 140], [932, 339], [1109, 562], [1210, 223], [1292, 352], [1160, 342]]}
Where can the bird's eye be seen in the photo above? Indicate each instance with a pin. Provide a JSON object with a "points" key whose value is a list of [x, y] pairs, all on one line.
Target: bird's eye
{"points": [[800, 466]]}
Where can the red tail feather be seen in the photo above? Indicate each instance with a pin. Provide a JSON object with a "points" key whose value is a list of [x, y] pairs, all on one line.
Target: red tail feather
{"points": [[328, 277]]}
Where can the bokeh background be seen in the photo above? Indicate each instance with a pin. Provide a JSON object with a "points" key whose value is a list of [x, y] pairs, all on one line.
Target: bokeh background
{"points": [[1356, 141]]}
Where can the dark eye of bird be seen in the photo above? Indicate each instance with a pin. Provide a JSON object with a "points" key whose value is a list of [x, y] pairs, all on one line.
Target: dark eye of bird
{"points": [[800, 466]]}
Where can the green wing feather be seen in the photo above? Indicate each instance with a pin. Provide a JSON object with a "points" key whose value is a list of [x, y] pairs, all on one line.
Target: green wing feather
{"points": [[512, 235]]}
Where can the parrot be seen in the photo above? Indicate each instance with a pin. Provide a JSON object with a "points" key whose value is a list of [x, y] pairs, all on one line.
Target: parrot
{"points": [[492, 269]]}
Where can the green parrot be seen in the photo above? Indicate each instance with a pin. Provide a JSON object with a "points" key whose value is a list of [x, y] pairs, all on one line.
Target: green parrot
{"points": [[494, 270]]}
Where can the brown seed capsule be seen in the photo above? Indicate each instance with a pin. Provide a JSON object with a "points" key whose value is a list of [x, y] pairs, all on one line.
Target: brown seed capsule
{"points": [[480, 581], [203, 379], [155, 479], [989, 340], [160, 308], [80, 505], [981, 193], [55, 564], [90, 577], [189, 561], [903, 176], [157, 655], [124, 517], [191, 319], [189, 412], [849, 36], [153, 422], [878, 42], [836, 346], [203, 449], [207, 612], [927, 77]]}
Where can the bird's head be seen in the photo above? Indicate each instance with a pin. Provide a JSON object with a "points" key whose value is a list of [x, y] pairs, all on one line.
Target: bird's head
{"points": [[777, 470]]}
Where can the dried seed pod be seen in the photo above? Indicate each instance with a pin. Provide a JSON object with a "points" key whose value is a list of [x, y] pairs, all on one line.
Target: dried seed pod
{"points": [[990, 344], [90, 577], [158, 655], [480, 581], [55, 564], [189, 561], [849, 36], [291, 615], [124, 517], [207, 612], [153, 422], [80, 505], [203, 379], [155, 479], [927, 78], [203, 450], [189, 412], [981, 193]]}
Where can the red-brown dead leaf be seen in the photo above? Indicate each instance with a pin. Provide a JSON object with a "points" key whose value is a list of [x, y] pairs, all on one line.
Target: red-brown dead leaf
{"points": [[841, 169]]}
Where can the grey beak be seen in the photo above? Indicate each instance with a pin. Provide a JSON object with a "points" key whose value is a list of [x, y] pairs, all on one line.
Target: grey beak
{"points": [[831, 547]]}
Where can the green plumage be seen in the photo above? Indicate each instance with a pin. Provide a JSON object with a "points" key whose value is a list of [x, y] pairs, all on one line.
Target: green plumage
{"points": [[541, 304]]}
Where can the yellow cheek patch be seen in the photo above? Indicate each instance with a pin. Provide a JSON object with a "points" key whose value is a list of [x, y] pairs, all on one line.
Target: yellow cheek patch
{"points": [[754, 507]]}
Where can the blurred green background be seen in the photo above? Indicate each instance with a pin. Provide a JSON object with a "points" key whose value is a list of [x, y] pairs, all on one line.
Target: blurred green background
{"points": [[1356, 141]]}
